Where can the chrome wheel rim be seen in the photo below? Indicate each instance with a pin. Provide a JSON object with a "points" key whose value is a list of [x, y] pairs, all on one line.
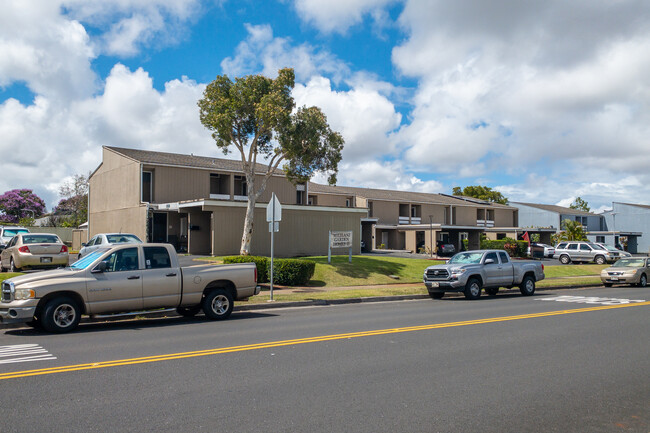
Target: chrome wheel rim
{"points": [[64, 315], [644, 281], [220, 304], [530, 286], [474, 289]]}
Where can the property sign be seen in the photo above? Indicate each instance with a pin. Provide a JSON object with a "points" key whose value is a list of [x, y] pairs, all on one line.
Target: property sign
{"points": [[341, 239]]}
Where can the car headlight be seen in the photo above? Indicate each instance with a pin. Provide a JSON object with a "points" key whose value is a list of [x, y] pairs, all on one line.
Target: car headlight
{"points": [[22, 294], [457, 271]]}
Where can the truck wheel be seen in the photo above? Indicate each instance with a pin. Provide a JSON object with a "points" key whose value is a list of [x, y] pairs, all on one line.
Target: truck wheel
{"points": [[437, 295], [527, 286], [473, 288], [218, 304], [60, 315], [607, 284], [643, 281], [600, 260], [492, 291], [564, 259], [188, 311]]}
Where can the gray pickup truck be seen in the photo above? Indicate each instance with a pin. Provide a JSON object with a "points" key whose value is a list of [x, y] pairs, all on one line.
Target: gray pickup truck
{"points": [[124, 278], [471, 271]]}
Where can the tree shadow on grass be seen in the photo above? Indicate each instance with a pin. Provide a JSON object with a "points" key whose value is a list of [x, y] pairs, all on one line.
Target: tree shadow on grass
{"points": [[362, 267]]}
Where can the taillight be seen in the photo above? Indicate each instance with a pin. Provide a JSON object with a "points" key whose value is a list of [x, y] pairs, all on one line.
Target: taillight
{"points": [[24, 249], [256, 273], [64, 249], [542, 267]]}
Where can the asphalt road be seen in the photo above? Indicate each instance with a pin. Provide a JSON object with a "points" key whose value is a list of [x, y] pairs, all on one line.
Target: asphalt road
{"points": [[565, 361]]}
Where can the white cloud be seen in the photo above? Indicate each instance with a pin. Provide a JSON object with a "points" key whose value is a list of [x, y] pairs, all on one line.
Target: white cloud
{"points": [[383, 175], [340, 15]]}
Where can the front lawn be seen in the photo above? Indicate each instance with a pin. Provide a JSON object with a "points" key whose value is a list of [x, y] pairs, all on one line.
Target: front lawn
{"points": [[7, 275]]}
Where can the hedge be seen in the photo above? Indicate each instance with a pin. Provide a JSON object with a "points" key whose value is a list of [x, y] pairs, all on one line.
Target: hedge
{"points": [[262, 264], [286, 272]]}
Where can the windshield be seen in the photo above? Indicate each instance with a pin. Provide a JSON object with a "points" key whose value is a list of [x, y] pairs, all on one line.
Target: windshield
{"points": [[473, 258], [609, 247], [14, 232], [41, 239], [629, 263], [85, 261], [123, 239]]}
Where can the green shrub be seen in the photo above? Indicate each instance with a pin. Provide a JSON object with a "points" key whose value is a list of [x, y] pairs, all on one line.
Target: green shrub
{"points": [[513, 247], [292, 272], [262, 264]]}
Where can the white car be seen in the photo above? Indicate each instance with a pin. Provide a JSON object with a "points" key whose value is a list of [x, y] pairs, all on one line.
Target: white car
{"points": [[107, 240], [8, 232], [621, 253], [548, 249]]}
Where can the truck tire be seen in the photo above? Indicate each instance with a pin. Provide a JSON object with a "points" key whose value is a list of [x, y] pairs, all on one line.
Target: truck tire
{"points": [[218, 304], [607, 284], [188, 311], [60, 315], [492, 291], [437, 295], [564, 259], [527, 286], [600, 260], [473, 288]]}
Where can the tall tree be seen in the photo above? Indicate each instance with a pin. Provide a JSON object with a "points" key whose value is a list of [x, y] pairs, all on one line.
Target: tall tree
{"points": [[482, 193], [255, 115], [73, 208], [580, 204], [20, 203]]}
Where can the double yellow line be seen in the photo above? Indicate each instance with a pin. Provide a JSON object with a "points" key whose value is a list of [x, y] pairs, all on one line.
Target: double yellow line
{"points": [[271, 344]]}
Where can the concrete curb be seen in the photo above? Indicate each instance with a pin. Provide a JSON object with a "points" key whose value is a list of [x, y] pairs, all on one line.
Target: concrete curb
{"points": [[171, 312]]}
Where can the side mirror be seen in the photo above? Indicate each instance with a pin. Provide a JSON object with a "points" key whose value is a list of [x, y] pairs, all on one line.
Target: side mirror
{"points": [[100, 268], [489, 261]]}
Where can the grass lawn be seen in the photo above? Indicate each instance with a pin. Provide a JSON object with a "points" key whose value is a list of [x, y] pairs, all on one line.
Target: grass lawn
{"points": [[7, 275]]}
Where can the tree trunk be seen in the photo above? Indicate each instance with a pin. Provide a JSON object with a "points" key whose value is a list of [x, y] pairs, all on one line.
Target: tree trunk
{"points": [[247, 236]]}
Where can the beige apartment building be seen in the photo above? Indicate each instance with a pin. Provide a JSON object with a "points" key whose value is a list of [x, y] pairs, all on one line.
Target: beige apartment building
{"points": [[198, 204], [410, 221]]}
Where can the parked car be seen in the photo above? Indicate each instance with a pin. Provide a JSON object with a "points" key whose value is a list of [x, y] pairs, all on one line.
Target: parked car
{"points": [[621, 253], [471, 271], [124, 278], [107, 240], [633, 271], [548, 250], [446, 249], [582, 252], [8, 232], [33, 250]]}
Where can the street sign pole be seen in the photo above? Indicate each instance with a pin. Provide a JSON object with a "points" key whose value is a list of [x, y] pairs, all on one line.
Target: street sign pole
{"points": [[272, 237], [273, 216]]}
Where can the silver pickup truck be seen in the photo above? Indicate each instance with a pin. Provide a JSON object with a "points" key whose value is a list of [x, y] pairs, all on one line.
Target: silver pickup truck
{"points": [[471, 271], [124, 278]]}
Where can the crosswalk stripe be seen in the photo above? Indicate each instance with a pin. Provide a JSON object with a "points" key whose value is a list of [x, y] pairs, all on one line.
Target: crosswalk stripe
{"points": [[24, 353]]}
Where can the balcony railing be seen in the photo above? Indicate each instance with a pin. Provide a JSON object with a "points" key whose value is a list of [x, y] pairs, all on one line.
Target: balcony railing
{"points": [[404, 220], [416, 220], [241, 197], [220, 196], [485, 223]]}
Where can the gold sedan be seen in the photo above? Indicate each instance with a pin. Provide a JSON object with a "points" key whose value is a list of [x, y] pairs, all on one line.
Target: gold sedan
{"points": [[632, 270], [33, 250]]}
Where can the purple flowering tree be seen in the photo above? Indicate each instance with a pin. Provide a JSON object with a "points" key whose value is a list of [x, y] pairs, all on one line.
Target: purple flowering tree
{"points": [[20, 203]]}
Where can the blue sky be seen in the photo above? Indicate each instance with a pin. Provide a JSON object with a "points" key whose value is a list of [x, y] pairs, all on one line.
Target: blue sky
{"points": [[544, 102]]}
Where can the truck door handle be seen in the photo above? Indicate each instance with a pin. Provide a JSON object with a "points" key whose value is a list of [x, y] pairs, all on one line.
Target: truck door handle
{"points": [[134, 277], [171, 274]]}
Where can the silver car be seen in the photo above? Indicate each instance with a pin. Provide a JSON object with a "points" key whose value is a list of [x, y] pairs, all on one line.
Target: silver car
{"points": [[633, 271], [621, 253], [8, 232], [106, 240], [583, 252]]}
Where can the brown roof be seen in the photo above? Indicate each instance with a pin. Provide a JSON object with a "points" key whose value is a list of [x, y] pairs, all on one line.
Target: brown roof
{"points": [[405, 196], [556, 209], [177, 159]]}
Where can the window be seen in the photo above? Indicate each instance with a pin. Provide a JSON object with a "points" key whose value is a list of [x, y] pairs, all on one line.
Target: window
{"points": [[214, 183], [122, 260], [300, 197], [348, 202], [504, 257], [501, 236], [600, 239], [572, 247], [584, 247], [313, 200], [147, 186], [492, 256], [370, 208], [41, 239], [561, 246], [156, 258], [240, 186]]}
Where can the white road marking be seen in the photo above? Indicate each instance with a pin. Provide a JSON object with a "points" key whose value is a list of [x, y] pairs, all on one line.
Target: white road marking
{"points": [[591, 300], [23, 353]]}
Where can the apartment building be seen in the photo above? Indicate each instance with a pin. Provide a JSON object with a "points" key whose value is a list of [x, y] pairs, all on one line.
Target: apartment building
{"points": [[198, 204]]}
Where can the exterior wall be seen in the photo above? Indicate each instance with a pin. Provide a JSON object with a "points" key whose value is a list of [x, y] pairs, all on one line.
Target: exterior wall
{"points": [[129, 220], [593, 221], [533, 217], [435, 210], [330, 200], [631, 219], [114, 197], [302, 232], [283, 189], [505, 217], [386, 211], [465, 216]]}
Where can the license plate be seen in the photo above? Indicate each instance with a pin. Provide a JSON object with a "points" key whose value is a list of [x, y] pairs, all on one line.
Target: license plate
{"points": [[46, 259], [614, 278], [435, 284]]}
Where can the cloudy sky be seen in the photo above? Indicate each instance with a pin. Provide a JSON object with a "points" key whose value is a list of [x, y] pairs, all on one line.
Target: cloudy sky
{"points": [[542, 100]]}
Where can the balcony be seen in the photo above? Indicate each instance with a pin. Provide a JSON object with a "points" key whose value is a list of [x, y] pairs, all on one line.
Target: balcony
{"points": [[240, 198], [404, 220], [485, 223], [220, 196]]}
